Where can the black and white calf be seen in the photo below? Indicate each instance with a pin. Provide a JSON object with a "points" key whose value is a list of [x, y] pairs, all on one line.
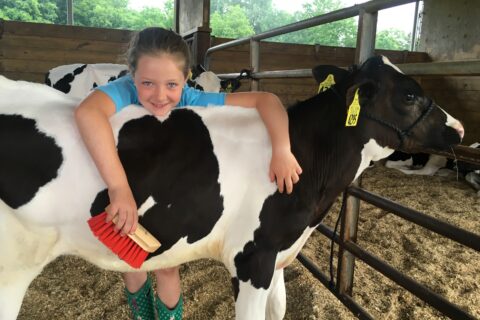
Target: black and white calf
{"points": [[430, 164], [78, 79], [200, 178]]}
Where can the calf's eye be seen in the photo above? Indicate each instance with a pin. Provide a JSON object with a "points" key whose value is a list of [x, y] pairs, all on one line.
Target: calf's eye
{"points": [[409, 98]]}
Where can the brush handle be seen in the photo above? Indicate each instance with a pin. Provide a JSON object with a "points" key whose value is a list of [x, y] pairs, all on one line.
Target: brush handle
{"points": [[142, 237]]}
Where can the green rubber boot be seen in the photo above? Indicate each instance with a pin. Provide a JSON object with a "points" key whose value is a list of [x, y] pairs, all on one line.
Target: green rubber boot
{"points": [[164, 313], [141, 303]]}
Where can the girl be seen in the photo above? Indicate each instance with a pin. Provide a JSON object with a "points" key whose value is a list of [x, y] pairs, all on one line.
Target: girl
{"points": [[159, 63]]}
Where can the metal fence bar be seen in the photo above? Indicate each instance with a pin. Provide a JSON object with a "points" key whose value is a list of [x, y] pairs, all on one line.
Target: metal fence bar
{"points": [[469, 68], [341, 14], [70, 12], [422, 292], [347, 300], [452, 232], [463, 153]]}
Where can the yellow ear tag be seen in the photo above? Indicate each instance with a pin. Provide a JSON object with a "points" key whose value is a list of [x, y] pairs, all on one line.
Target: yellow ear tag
{"points": [[353, 112], [326, 84], [190, 75]]}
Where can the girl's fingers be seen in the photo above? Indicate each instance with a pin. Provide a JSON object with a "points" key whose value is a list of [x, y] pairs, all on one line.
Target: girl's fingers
{"points": [[134, 225], [127, 227], [271, 175], [295, 177], [122, 217], [110, 213], [280, 184], [289, 185]]}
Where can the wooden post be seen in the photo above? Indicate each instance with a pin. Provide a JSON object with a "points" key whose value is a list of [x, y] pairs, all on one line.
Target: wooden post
{"points": [[254, 62], [192, 22], [367, 26]]}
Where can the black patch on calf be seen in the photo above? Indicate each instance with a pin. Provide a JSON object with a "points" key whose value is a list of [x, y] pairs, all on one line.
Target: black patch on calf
{"points": [[121, 74], [29, 159], [282, 221], [64, 83], [172, 161], [418, 159]]}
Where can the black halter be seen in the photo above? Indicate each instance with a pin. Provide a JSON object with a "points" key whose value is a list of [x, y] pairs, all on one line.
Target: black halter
{"points": [[402, 134]]}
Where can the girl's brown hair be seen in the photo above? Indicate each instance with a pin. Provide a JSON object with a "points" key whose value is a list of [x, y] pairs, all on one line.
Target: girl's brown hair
{"points": [[155, 41]]}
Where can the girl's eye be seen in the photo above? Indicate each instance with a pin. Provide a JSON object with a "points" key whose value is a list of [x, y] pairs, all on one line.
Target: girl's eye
{"points": [[172, 85], [410, 98], [147, 83]]}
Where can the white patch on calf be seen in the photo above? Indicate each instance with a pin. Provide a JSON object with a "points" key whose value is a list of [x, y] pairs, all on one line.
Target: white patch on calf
{"points": [[285, 257], [435, 162], [251, 303], [82, 84], [397, 164], [242, 147], [454, 123], [150, 202], [21, 245], [209, 81], [387, 62], [372, 151]]}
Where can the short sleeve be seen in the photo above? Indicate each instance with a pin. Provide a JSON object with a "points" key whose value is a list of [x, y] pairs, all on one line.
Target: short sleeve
{"points": [[194, 97], [122, 92]]}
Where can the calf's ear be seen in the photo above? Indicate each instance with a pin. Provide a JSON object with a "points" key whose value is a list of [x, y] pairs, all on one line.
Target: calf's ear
{"points": [[321, 72], [366, 92]]}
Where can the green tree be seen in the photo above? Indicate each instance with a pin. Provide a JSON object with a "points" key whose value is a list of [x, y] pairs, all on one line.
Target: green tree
{"points": [[150, 16], [393, 39], [29, 10], [231, 24], [259, 13], [339, 33], [229, 18], [103, 13]]}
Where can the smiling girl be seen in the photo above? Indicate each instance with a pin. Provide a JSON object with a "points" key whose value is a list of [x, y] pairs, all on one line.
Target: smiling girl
{"points": [[159, 63]]}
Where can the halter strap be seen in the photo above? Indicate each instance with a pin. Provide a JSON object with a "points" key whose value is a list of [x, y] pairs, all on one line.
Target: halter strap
{"points": [[402, 134]]}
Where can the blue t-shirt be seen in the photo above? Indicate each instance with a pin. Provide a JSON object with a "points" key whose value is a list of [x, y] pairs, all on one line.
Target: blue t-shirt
{"points": [[123, 93]]}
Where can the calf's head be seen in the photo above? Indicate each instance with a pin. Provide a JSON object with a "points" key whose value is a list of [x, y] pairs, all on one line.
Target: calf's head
{"points": [[394, 109]]}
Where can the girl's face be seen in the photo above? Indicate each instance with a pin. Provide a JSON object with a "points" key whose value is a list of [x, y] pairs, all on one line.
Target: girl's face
{"points": [[159, 81]]}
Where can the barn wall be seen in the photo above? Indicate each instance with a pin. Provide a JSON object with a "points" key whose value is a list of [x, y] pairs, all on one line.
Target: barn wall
{"points": [[29, 50], [450, 32]]}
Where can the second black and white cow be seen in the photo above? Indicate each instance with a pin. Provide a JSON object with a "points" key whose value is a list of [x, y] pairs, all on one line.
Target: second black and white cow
{"points": [[78, 79], [200, 178], [430, 164]]}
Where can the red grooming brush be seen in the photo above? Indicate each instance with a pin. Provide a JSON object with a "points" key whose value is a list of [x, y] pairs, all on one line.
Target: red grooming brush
{"points": [[133, 249]]}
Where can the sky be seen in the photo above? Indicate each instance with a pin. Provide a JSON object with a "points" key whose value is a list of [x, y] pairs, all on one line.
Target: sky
{"points": [[400, 17]]}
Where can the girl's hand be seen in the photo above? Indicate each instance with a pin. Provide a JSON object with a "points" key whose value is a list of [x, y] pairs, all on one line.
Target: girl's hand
{"points": [[285, 168], [122, 204]]}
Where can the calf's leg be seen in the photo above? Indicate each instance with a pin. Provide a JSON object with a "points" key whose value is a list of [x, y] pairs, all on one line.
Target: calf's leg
{"points": [[251, 302], [25, 250], [13, 290], [277, 299]]}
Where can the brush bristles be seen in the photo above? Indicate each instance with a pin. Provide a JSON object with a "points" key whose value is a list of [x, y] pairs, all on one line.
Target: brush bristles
{"points": [[124, 247]]}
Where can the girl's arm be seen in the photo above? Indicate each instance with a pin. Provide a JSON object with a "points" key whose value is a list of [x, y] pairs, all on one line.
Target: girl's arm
{"points": [[92, 118], [284, 166]]}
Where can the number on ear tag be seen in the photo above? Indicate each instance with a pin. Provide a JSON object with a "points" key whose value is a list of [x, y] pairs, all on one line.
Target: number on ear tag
{"points": [[353, 112]]}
